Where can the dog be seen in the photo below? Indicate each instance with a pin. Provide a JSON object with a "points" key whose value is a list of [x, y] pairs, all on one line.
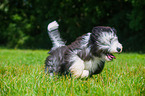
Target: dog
{"points": [[83, 57]]}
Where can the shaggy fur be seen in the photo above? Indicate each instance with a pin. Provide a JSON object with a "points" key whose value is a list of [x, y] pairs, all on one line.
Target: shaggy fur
{"points": [[83, 57]]}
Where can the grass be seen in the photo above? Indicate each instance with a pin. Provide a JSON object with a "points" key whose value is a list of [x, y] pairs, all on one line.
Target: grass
{"points": [[22, 73]]}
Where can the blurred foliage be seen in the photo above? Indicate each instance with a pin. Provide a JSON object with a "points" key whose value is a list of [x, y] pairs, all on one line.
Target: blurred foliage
{"points": [[23, 23]]}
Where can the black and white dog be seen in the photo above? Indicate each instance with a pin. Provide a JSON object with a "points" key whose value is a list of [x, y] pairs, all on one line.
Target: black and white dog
{"points": [[85, 56]]}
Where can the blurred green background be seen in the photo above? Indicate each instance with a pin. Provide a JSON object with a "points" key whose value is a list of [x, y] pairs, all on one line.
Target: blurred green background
{"points": [[23, 23]]}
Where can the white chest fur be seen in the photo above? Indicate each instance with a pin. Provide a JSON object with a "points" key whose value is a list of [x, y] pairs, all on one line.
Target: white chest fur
{"points": [[92, 65]]}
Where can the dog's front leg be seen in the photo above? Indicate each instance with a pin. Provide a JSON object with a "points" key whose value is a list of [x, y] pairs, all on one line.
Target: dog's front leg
{"points": [[77, 67], [85, 74]]}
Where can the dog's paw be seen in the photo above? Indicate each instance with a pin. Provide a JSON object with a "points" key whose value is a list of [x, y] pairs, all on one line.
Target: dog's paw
{"points": [[52, 26]]}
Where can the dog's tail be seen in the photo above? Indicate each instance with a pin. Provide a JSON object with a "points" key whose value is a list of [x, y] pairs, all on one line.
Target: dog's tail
{"points": [[55, 35]]}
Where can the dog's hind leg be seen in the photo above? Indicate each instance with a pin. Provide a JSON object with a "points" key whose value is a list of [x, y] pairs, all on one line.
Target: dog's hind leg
{"points": [[53, 65], [49, 66]]}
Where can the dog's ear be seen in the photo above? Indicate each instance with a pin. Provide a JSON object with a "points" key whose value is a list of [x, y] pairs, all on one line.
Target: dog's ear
{"points": [[95, 34], [99, 29], [96, 30]]}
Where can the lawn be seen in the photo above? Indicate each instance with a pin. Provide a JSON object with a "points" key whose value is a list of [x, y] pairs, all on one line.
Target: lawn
{"points": [[22, 73]]}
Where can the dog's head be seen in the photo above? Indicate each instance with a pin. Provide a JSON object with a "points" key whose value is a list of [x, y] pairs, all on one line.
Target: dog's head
{"points": [[105, 42]]}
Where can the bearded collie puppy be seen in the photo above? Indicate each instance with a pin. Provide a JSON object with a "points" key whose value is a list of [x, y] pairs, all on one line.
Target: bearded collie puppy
{"points": [[83, 57]]}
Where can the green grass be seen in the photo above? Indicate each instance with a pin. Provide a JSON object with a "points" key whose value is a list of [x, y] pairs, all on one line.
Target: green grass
{"points": [[22, 73]]}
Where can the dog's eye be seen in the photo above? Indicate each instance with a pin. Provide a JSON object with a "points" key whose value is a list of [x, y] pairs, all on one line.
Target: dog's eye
{"points": [[110, 40]]}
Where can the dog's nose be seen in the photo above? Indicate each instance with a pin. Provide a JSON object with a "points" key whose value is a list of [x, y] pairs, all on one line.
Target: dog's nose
{"points": [[118, 49]]}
